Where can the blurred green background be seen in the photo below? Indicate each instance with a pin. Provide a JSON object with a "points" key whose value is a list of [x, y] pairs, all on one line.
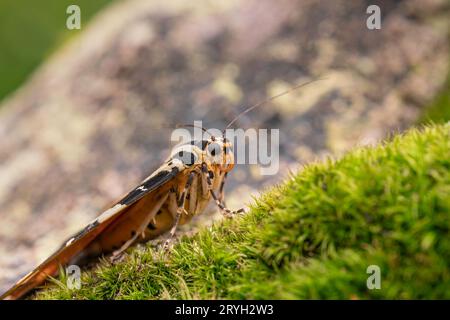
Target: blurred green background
{"points": [[439, 109], [30, 31]]}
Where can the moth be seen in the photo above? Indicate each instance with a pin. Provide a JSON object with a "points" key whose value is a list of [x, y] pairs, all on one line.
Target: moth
{"points": [[181, 188], [178, 190]]}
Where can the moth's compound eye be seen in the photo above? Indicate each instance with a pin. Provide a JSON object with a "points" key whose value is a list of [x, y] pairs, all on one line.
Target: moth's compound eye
{"points": [[214, 149], [188, 158]]}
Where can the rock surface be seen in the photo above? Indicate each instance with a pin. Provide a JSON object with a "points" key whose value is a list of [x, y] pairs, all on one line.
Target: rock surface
{"points": [[96, 118]]}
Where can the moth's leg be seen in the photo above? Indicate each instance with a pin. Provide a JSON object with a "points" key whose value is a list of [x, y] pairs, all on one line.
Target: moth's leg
{"points": [[225, 211], [182, 199], [140, 230], [192, 196], [222, 190], [205, 188], [179, 208]]}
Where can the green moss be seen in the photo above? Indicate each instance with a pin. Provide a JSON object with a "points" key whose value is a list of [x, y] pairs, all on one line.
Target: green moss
{"points": [[312, 237]]}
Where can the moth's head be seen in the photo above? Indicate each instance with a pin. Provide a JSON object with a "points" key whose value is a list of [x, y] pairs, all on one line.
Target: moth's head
{"points": [[219, 152], [213, 151]]}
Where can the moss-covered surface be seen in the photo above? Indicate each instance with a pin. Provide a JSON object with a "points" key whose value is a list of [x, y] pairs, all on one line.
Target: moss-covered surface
{"points": [[312, 237]]}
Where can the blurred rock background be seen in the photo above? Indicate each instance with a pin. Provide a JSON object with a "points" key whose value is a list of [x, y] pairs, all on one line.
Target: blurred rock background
{"points": [[96, 117]]}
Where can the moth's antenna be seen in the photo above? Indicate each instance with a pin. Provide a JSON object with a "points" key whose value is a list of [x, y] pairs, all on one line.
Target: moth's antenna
{"points": [[268, 100], [193, 126]]}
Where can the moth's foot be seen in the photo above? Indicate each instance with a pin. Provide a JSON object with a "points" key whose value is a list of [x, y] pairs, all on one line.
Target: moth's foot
{"points": [[227, 213], [168, 244], [117, 256]]}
